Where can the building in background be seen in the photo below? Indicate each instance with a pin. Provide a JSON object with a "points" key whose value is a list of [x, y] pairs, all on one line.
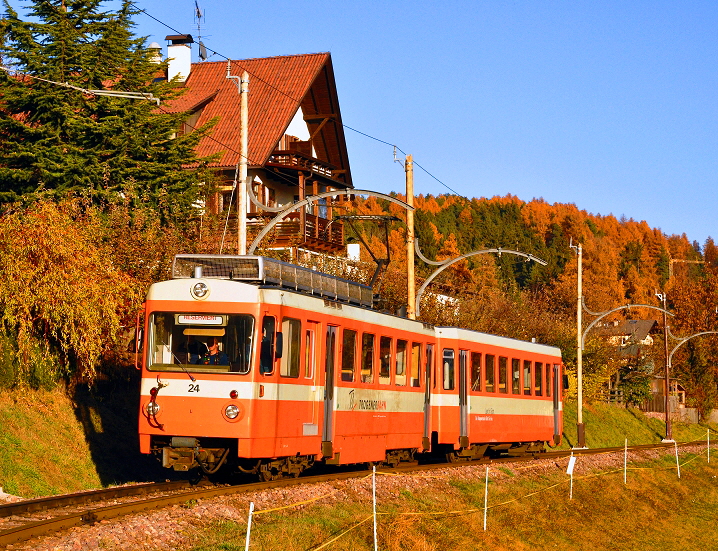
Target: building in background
{"points": [[296, 139]]}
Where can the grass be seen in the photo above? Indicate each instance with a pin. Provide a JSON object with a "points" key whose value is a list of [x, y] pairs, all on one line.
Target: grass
{"points": [[654, 511], [52, 444], [609, 426], [43, 450]]}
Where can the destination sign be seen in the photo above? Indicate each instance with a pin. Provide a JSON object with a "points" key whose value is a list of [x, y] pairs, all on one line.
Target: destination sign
{"points": [[200, 319]]}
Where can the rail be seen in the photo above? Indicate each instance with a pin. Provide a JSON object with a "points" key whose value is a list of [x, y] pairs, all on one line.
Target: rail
{"points": [[93, 515]]}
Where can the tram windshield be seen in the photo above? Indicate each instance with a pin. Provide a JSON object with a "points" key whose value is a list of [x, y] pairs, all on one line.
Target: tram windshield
{"points": [[200, 342]]}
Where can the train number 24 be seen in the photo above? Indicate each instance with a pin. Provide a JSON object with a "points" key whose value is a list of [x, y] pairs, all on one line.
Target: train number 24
{"points": [[193, 388]]}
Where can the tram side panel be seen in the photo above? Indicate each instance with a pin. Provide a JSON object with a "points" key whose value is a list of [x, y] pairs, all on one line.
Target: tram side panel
{"points": [[378, 400], [494, 390]]}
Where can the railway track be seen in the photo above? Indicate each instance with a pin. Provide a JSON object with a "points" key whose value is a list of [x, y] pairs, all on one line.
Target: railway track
{"points": [[28, 519]]}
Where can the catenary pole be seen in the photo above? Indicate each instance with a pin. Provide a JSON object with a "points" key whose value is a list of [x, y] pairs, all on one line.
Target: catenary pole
{"points": [[667, 382], [243, 149], [411, 289], [580, 430]]}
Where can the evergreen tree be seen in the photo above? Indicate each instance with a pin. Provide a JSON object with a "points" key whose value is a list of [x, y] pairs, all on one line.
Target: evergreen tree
{"points": [[56, 140]]}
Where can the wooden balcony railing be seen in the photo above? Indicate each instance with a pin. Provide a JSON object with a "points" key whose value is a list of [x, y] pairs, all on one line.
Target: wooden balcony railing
{"points": [[301, 230], [300, 161]]}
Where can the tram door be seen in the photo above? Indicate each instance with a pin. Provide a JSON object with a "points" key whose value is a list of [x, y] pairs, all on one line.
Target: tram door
{"points": [[427, 394], [556, 403], [329, 369], [463, 400]]}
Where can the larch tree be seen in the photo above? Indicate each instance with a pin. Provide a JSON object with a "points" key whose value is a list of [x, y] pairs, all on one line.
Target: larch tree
{"points": [[56, 139]]}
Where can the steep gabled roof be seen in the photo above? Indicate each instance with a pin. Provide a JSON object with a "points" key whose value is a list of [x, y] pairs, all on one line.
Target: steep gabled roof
{"points": [[636, 329], [278, 88]]}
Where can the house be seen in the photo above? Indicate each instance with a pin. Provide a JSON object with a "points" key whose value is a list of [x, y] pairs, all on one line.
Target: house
{"points": [[296, 144], [629, 336]]}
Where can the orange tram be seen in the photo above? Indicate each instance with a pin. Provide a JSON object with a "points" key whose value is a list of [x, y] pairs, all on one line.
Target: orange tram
{"points": [[266, 367]]}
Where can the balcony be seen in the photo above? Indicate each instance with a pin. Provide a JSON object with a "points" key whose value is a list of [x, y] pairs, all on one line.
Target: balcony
{"points": [[300, 229], [299, 161]]}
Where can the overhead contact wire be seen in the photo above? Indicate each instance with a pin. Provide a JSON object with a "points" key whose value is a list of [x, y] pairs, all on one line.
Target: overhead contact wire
{"points": [[240, 66]]}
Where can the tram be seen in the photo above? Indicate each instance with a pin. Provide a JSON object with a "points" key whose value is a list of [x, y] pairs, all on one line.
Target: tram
{"points": [[266, 367]]}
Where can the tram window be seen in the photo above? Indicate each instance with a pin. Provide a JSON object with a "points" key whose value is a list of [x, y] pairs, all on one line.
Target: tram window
{"points": [[430, 363], [415, 364], [367, 358], [309, 353], [527, 377], [490, 372], [266, 352], [292, 331], [503, 375], [539, 375], [476, 371], [400, 372], [349, 344], [548, 380], [448, 369], [515, 376], [385, 360], [200, 342]]}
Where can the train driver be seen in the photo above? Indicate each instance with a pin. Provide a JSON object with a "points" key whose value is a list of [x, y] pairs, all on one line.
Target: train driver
{"points": [[214, 356]]}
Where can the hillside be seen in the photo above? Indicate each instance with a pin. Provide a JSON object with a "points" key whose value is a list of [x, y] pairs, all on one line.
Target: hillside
{"points": [[51, 443], [89, 442], [76, 273], [624, 262]]}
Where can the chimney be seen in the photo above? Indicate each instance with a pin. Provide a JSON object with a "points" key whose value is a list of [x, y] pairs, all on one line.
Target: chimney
{"points": [[179, 53], [155, 53]]}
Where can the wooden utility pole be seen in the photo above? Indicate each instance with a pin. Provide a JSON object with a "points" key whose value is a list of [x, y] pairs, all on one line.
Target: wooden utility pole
{"points": [[667, 373], [411, 290], [242, 183], [580, 429]]}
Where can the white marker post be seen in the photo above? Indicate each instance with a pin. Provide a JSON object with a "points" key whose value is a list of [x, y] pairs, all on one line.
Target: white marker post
{"points": [[249, 525], [373, 498], [678, 465], [486, 497], [625, 460], [569, 470]]}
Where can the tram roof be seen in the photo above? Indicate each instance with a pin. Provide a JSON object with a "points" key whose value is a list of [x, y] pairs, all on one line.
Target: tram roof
{"points": [[266, 271]]}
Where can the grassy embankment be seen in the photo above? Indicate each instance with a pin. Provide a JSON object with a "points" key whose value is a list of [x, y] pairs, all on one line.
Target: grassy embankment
{"points": [[654, 511], [51, 443], [530, 508]]}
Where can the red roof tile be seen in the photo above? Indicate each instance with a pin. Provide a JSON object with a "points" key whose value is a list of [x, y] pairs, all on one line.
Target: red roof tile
{"points": [[278, 87]]}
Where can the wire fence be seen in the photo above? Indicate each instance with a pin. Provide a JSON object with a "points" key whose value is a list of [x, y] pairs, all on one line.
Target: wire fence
{"points": [[487, 506]]}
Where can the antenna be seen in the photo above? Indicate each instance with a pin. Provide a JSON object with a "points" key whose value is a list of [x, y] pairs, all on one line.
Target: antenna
{"points": [[198, 15]]}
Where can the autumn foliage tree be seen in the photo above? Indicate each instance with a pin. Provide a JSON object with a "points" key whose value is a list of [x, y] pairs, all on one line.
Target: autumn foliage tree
{"points": [[64, 302]]}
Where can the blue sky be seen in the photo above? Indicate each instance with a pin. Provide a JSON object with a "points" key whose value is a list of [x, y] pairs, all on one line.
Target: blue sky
{"points": [[609, 105]]}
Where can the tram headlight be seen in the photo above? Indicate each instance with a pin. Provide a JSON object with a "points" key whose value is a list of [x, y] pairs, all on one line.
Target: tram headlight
{"points": [[200, 290], [153, 408], [231, 411]]}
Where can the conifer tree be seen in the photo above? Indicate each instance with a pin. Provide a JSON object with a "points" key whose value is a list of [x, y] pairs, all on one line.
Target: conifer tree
{"points": [[56, 140]]}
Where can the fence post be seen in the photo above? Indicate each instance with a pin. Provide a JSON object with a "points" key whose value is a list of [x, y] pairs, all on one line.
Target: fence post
{"points": [[625, 460], [678, 465], [373, 498], [249, 525], [569, 470], [486, 496]]}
